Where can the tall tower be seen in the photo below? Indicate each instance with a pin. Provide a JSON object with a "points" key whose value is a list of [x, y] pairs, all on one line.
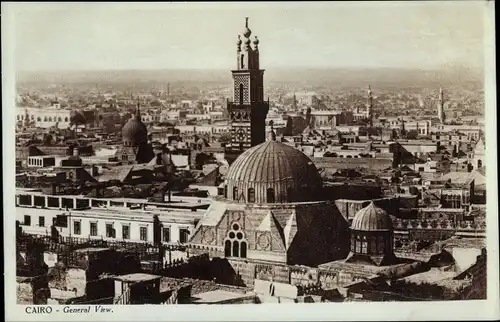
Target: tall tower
{"points": [[440, 110], [247, 110], [369, 106]]}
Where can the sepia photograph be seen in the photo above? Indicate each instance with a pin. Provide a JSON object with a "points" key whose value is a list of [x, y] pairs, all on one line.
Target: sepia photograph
{"points": [[253, 153]]}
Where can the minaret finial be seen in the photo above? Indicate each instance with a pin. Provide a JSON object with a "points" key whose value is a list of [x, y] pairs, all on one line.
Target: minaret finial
{"points": [[246, 22]]}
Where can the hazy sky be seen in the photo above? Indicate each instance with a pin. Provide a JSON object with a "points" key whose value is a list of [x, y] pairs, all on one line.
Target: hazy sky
{"points": [[203, 35]]}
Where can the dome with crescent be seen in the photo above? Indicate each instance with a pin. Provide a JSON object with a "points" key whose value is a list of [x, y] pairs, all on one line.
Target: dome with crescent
{"points": [[134, 132], [272, 172]]}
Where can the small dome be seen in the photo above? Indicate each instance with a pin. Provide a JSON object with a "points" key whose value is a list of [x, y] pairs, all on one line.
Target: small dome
{"points": [[273, 172], [247, 41], [256, 41], [238, 42], [134, 132], [246, 32], [372, 218]]}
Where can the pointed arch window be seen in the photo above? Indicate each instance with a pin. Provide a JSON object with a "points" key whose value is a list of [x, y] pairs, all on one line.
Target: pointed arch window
{"points": [[227, 248], [241, 94], [235, 193], [251, 195], [243, 249], [236, 249], [225, 191], [289, 194], [270, 195]]}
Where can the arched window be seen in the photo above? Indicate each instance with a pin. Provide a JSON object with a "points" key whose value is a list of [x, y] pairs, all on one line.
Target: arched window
{"points": [[372, 247], [227, 248], [50, 118], [59, 119], [290, 194], [45, 119], [380, 245], [225, 191], [241, 94], [251, 195], [242, 63], [39, 119], [243, 252], [235, 193], [364, 245], [270, 195], [236, 249], [19, 117], [66, 119]]}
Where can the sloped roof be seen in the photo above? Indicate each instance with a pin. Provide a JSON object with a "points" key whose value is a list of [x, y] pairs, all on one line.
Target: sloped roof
{"points": [[34, 151], [210, 179]]}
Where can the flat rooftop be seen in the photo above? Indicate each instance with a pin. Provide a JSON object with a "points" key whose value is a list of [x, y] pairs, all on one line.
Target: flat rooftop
{"points": [[165, 215], [218, 296], [432, 276], [92, 250], [137, 277], [465, 243], [362, 269]]}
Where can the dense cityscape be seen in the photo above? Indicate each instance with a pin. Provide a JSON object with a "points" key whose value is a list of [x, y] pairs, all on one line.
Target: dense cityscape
{"points": [[224, 187]]}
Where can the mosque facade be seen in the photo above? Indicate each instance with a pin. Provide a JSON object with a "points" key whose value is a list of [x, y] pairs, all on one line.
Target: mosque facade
{"points": [[272, 209]]}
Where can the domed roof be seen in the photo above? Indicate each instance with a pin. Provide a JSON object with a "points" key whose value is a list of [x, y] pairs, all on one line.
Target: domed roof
{"points": [[372, 218], [272, 172], [134, 132]]}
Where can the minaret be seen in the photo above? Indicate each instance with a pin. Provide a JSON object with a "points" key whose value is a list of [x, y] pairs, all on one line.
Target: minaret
{"points": [[294, 103], [440, 111], [272, 134], [369, 106], [138, 112], [248, 110]]}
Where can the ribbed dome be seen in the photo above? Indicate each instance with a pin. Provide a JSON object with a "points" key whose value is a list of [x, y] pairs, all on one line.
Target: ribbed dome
{"points": [[272, 172], [134, 132], [372, 218]]}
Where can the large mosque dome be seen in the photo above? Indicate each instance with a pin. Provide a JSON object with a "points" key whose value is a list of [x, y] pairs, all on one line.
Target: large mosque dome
{"points": [[272, 172], [134, 132]]}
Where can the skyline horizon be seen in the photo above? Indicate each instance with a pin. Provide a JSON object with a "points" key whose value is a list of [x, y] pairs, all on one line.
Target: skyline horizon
{"points": [[288, 68]]}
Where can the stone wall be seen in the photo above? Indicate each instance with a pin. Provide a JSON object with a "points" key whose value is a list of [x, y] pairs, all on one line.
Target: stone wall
{"points": [[33, 290], [294, 275]]}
